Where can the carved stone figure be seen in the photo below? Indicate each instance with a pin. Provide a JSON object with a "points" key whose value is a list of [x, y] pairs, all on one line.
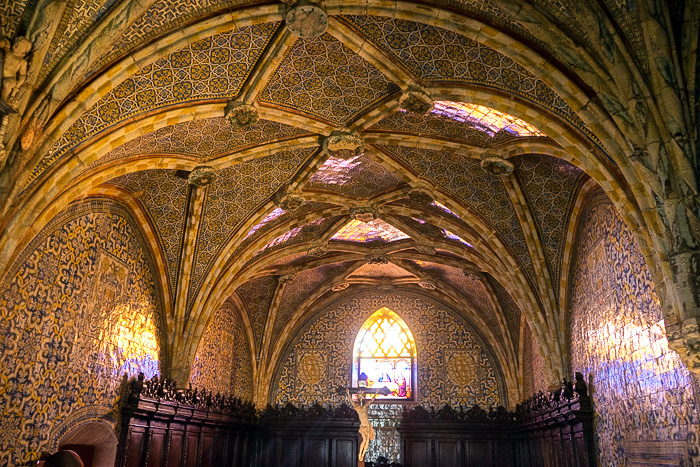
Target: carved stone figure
{"points": [[344, 143], [14, 70], [363, 214], [289, 200], [581, 387], [366, 430]]}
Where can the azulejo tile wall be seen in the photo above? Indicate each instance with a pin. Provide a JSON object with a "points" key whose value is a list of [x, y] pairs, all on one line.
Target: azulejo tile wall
{"points": [[441, 334], [223, 361], [78, 310], [643, 394]]}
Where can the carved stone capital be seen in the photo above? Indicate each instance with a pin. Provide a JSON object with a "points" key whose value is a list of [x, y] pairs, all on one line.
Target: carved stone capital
{"points": [[201, 176], [239, 114], [307, 19], [415, 99], [344, 143], [496, 165], [377, 259], [684, 338], [340, 286], [363, 213]]}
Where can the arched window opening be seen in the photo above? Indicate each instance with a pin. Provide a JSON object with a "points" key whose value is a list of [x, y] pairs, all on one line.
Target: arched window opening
{"points": [[385, 356]]}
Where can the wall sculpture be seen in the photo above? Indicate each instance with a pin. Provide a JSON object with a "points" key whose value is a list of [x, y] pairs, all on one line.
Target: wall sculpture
{"points": [[223, 362], [643, 395], [78, 310], [455, 365]]}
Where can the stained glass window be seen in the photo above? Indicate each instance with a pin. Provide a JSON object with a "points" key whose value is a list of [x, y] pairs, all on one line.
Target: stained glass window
{"points": [[385, 356]]}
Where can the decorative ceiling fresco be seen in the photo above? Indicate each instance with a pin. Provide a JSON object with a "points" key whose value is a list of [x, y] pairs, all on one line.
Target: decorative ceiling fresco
{"points": [[440, 152], [432, 154]]}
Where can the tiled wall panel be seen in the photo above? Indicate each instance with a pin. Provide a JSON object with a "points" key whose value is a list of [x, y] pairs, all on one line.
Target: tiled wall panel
{"points": [[645, 398], [223, 361], [77, 311]]}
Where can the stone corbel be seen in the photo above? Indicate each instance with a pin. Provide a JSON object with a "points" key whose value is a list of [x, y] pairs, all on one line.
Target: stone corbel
{"points": [[495, 164], [415, 99], [317, 250], [344, 144], [364, 213], [239, 114], [289, 199], [201, 176]]}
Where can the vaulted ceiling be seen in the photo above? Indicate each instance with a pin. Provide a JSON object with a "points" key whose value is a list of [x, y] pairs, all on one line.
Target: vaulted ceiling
{"points": [[136, 93]]}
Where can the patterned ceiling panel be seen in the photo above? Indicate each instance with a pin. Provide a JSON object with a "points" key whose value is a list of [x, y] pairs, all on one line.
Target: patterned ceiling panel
{"points": [[381, 271], [257, 295], [162, 16], [164, 196], [369, 232], [207, 139], [357, 176], [463, 177], [436, 54], [301, 234], [323, 77], [548, 184], [237, 192], [214, 67], [432, 231], [509, 307], [439, 126], [438, 209], [261, 228], [472, 289], [302, 286], [77, 18]]}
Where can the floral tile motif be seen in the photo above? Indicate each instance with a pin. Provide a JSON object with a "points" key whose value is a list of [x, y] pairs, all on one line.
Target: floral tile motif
{"points": [[356, 176], [435, 54], [485, 194], [236, 193], [204, 139], [78, 310], [549, 185]]}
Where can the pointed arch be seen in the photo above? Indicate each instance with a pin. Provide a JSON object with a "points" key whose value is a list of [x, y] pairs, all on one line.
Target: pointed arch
{"points": [[384, 356]]}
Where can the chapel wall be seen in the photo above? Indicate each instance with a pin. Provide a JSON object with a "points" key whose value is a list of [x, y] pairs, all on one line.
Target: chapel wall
{"points": [[644, 396], [440, 334], [78, 310], [223, 360]]}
